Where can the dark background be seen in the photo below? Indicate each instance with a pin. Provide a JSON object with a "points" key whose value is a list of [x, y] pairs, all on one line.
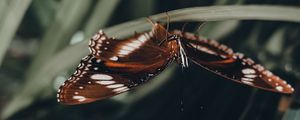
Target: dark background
{"points": [[186, 94]]}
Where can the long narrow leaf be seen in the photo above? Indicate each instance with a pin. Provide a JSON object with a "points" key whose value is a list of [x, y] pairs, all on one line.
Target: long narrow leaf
{"points": [[10, 22]]}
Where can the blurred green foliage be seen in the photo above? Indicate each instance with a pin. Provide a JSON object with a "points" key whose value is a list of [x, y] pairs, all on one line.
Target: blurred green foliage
{"points": [[41, 39]]}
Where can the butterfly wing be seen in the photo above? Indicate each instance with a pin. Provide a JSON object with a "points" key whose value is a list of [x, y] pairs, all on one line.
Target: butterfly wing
{"points": [[113, 67], [132, 49], [90, 82], [221, 60], [96, 79], [113, 49]]}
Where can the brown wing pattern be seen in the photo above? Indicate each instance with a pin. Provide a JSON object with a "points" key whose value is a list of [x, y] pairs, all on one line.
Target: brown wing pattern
{"points": [[91, 81], [96, 79], [115, 66], [221, 60], [132, 49], [112, 49]]}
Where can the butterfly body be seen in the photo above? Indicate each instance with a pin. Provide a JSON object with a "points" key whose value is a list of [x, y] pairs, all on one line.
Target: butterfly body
{"points": [[116, 66]]}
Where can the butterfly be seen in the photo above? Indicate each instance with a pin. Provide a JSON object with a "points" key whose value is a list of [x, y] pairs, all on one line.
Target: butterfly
{"points": [[115, 66]]}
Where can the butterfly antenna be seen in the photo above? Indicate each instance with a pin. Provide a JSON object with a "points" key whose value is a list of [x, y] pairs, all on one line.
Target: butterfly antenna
{"points": [[183, 27], [201, 26], [168, 24], [167, 29], [150, 20]]}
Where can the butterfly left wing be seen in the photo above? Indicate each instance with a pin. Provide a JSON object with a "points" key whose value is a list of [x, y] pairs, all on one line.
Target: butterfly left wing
{"points": [[221, 60], [95, 79], [115, 66]]}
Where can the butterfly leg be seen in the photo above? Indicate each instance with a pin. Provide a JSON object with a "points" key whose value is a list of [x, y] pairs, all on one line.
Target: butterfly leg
{"points": [[183, 56]]}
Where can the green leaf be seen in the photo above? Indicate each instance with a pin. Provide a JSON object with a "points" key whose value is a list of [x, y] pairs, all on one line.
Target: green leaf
{"points": [[10, 18], [72, 54]]}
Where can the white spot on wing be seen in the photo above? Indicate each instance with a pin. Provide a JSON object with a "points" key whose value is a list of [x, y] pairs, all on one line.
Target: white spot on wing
{"points": [[142, 38], [240, 55], [105, 82], [92, 43], [268, 73], [250, 76], [125, 47], [204, 49], [95, 37], [284, 82], [79, 98], [279, 88], [115, 86], [101, 32], [248, 71], [133, 45], [124, 52], [102, 38], [85, 58], [121, 89], [258, 67], [247, 82], [247, 79], [223, 56], [101, 77], [114, 58]]}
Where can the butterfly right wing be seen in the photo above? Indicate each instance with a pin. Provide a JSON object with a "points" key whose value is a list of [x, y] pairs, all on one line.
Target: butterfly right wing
{"points": [[220, 59]]}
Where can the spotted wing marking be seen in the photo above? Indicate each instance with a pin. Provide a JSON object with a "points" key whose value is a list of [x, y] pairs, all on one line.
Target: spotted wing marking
{"points": [[220, 59], [96, 42], [113, 49], [257, 71], [215, 44], [82, 85], [133, 44]]}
